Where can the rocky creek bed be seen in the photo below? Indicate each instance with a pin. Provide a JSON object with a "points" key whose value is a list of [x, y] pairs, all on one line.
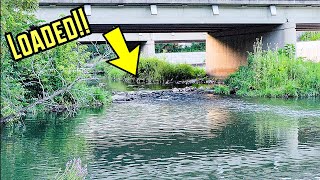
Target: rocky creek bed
{"points": [[166, 94]]}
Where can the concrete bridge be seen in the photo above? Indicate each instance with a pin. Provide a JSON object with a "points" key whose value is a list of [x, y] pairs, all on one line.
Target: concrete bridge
{"points": [[148, 40], [232, 25]]}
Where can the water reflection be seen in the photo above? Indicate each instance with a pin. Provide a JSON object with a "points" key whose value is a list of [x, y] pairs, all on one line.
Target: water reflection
{"points": [[41, 146], [196, 136]]}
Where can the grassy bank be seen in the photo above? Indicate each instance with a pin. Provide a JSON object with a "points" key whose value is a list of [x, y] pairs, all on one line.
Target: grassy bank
{"points": [[153, 70], [274, 74]]}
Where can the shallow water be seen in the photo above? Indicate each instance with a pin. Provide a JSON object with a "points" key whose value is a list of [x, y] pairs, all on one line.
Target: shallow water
{"points": [[194, 137]]}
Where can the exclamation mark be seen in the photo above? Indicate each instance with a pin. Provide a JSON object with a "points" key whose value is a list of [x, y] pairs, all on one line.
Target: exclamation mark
{"points": [[84, 20], [76, 18]]}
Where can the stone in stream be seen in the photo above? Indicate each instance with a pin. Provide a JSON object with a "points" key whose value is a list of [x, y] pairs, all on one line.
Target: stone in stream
{"points": [[120, 98]]}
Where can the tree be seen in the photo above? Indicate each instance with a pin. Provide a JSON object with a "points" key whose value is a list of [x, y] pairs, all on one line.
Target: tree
{"points": [[53, 79]]}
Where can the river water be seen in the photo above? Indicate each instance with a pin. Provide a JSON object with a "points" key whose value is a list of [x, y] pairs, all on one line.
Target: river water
{"points": [[189, 137]]}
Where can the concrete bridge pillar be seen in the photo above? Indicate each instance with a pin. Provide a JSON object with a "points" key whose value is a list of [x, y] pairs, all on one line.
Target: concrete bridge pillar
{"points": [[148, 49], [227, 51], [224, 55], [280, 36]]}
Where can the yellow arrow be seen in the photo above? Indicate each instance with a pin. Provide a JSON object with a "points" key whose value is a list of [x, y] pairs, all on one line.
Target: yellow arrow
{"points": [[126, 61]]}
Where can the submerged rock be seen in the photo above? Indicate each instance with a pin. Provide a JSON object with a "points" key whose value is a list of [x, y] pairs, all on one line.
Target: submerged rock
{"points": [[119, 98]]}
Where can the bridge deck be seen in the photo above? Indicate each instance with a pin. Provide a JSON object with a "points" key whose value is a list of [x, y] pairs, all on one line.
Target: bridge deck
{"points": [[183, 2], [188, 15]]}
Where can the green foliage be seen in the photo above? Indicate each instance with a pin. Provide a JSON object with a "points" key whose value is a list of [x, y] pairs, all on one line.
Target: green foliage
{"points": [[221, 89], [115, 73], [289, 50], [39, 76], [98, 50], [112, 72], [156, 70], [174, 47], [85, 95], [276, 74], [310, 36], [15, 17]]}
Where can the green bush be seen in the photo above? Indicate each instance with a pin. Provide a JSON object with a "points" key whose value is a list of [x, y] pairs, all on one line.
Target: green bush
{"points": [[156, 71], [276, 74], [115, 73], [221, 89]]}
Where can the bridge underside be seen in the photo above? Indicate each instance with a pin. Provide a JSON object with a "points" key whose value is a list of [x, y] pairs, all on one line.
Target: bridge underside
{"points": [[210, 28], [226, 44], [232, 28]]}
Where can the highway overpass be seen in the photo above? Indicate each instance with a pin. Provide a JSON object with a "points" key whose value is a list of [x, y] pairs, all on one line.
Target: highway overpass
{"points": [[232, 25], [148, 40]]}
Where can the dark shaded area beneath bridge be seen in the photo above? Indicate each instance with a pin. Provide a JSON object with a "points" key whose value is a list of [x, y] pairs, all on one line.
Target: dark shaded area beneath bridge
{"points": [[167, 28], [211, 28]]}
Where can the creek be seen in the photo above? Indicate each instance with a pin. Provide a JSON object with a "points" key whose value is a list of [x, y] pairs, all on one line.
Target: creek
{"points": [[175, 135]]}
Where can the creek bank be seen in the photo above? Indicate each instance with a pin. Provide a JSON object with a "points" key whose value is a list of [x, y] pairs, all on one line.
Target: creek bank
{"points": [[165, 94]]}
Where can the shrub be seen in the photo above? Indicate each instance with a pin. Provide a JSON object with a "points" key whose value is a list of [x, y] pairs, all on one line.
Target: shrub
{"points": [[183, 71], [199, 72], [221, 89], [276, 74], [156, 70], [115, 73]]}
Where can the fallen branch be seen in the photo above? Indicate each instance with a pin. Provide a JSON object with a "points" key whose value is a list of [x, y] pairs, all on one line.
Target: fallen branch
{"points": [[25, 109]]}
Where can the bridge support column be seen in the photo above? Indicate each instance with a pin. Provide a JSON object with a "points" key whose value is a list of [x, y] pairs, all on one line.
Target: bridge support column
{"points": [[148, 49], [227, 51], [225, 54], [280, 36]]}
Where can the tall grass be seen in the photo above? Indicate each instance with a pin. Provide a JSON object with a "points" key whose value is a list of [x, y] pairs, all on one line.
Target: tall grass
{"points": [[310, 36], [154, 70], [276, 74]]}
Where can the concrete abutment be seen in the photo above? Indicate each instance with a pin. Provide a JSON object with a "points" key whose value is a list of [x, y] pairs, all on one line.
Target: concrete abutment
{"points": [[227, 51], [148, 49]]}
